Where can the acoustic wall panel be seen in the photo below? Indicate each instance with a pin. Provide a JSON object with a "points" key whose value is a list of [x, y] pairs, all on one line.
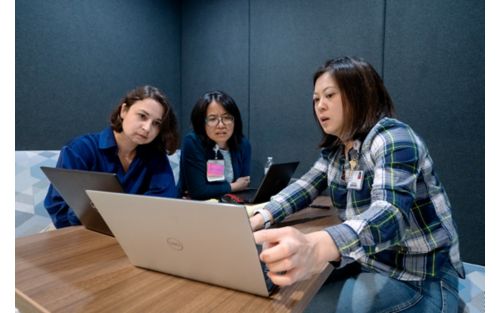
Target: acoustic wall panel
{"points": [[214, 53], [76, 59], [287, 44], [434, 69]]}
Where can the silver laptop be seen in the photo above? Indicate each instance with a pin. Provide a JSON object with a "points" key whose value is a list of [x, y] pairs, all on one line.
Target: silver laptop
{"points": [[71, 185], [204, 241]]}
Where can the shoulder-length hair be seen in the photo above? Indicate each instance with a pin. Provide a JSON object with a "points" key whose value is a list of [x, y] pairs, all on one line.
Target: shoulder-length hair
{"points": [[168, 137], [365, 99], [199, 113]]}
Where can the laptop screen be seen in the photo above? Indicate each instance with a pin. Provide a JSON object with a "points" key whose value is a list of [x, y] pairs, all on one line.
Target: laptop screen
{"points": [[276, 179], [71, 185]]}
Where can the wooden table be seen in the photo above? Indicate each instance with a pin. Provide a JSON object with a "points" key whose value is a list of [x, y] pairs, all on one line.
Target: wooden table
{"points": [[77, 270]]}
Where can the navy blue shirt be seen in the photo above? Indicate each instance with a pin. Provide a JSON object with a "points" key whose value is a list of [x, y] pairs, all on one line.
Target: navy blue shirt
{"points": [[193, 167], [149, 173]]}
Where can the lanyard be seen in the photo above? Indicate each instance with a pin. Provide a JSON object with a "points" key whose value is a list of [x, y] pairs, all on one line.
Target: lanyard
{"points": [[216, 150], [355, 176], [215, 168], [354, 155]]}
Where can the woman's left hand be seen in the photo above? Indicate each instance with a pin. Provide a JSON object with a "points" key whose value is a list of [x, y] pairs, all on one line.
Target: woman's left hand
{"points": [[292, 256], [240, 184], [256, 222]]}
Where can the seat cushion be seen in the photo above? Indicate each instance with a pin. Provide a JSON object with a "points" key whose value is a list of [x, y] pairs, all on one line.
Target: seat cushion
{"points": [[471, 289], [31, 188]]}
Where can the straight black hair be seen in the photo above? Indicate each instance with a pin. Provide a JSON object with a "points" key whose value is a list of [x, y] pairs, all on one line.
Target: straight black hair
{"points": [[364, 97], [199, 113]]}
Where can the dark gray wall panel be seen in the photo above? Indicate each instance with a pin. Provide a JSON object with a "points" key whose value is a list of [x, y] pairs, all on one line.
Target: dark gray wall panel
{"points": [[76, 59], [434, 69], [287, 44], [214, 53]]}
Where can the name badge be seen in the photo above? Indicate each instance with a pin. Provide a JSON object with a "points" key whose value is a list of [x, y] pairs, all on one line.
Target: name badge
{"points": [[215, 170], [356, 180]]}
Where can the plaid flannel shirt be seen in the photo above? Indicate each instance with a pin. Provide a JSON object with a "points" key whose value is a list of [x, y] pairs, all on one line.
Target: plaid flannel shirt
{"points": [[400, 222]]}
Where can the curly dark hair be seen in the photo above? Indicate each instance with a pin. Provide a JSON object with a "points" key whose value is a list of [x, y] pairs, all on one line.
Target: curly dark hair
{"points": [[168, 138]]}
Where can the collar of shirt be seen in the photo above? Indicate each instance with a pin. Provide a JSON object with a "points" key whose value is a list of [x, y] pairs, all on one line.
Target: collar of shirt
{"points": [[107, 139]]}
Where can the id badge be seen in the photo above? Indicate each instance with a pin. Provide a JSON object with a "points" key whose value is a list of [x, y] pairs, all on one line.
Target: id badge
{"points": [[215, 170], [356, 180]]}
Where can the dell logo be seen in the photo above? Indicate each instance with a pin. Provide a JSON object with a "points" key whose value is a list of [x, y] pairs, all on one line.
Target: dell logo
{"points": [[175, 244]]}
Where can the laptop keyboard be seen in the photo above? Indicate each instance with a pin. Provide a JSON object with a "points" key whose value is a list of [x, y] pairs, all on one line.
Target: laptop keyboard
{"points": [[271, 287]]}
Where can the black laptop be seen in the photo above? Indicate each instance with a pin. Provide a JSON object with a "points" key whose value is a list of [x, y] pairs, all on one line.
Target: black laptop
{"points": [[278, 176], [71, 185]]}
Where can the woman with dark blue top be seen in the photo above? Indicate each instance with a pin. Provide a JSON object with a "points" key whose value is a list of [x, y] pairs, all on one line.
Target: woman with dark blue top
{"points": [[143, 129], [215, 157]]}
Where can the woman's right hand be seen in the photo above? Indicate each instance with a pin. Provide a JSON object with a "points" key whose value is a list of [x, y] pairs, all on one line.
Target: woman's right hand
{"points": [[292, 256], [241, 183]]}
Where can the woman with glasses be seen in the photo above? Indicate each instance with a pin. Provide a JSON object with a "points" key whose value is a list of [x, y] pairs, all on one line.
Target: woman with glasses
{"points": [[215, 157], [143, 128]]}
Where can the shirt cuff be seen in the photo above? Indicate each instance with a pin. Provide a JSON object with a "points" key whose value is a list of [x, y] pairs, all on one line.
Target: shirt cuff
{"points": [[276, 211], [347, 242]]}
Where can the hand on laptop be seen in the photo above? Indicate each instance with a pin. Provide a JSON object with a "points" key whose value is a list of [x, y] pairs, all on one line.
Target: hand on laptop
{"points": [[292, 256], [241, 183]]}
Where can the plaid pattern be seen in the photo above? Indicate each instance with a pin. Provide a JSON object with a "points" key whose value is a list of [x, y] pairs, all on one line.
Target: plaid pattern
{"points": [[400, 222]]}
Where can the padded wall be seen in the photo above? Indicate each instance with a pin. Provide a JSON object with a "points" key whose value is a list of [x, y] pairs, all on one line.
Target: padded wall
{"points": [[434, 69], [214, 53], [288, 43], [76, 59]]}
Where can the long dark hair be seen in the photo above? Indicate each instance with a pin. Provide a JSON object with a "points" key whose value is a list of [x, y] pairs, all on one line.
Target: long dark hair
{"points": [[199, 113], [364, 97], [168, 137]]}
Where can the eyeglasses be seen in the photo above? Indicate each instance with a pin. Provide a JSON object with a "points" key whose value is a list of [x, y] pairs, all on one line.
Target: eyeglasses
{"points": [[213, 121]]}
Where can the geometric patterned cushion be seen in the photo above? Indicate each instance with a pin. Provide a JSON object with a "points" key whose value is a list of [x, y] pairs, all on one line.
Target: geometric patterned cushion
{"points": [[32, 186], [471, 289]]}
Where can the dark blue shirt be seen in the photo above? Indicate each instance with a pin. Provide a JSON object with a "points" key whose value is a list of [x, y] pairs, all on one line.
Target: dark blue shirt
{"points": [[149, 173], [193, 167]]}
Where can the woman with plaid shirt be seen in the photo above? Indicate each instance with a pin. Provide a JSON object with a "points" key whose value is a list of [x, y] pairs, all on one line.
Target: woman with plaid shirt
{"points": [[397, 248]]}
